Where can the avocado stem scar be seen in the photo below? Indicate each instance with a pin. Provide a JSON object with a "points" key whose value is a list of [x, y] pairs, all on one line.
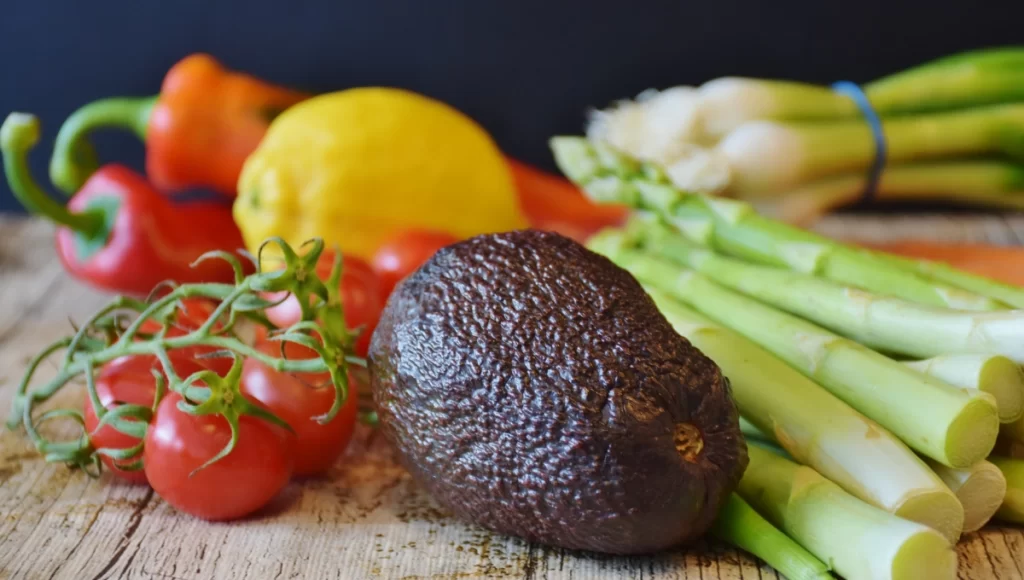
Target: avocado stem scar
{"points": [[688, 441]]}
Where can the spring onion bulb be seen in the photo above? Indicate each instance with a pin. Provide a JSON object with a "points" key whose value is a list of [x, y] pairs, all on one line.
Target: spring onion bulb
{"points": [[857, 539], [817, 429], [808, 147]]}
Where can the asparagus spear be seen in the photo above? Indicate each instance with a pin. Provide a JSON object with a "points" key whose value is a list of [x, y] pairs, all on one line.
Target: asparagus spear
{"points": [[740, 525], [857, 539], [882, 322], [994, 374], [1012, 509], [817, 429], [734, 228], [980, 489], [1007, 293], [953, 426]]}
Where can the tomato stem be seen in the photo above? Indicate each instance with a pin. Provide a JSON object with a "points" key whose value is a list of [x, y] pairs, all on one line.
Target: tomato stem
{"points": [[104, 338]]}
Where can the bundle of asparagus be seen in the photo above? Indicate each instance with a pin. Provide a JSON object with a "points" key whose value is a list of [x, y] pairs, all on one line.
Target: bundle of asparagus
{"points": [[873, 389], [952, 129]]}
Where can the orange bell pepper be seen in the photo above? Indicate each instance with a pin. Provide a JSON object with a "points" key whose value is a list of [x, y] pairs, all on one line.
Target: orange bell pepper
{"points": [[198, 131]]}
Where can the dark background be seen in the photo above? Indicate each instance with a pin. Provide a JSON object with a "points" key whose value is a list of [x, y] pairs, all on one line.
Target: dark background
{"points": [[526, 69]]}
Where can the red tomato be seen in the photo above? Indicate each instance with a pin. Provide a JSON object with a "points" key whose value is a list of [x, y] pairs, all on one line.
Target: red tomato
{"points": [[193, 314], [297, 398], [236, 485], [126, 380], [360, 293], [402, 254]]}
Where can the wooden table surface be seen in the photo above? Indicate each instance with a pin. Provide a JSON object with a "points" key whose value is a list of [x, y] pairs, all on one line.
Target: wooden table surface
{"points": [[366, 520]]}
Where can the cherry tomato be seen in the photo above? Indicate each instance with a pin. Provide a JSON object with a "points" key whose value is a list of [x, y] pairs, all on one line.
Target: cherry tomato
{"points": [[402, 254], [234, 486], [297, 398], [193, 313], [360, 293], [127, 380]]}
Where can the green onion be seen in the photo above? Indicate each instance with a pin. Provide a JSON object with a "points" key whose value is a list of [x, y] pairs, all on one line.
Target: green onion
{"points": [[983, 183], [807, 147], [768, 158]]}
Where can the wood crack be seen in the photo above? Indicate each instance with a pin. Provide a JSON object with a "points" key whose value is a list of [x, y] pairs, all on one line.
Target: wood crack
{"points": [[133, 524]]}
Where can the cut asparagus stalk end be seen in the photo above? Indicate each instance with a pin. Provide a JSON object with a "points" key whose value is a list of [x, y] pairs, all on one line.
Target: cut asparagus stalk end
{"points": [[980, 489], [996, 375]]}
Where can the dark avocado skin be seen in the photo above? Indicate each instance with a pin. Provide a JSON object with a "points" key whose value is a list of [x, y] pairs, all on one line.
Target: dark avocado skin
{"points": [[534, 389]]}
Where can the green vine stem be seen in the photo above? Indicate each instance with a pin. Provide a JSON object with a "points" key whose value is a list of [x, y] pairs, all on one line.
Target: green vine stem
{"points": [[107, 335]]}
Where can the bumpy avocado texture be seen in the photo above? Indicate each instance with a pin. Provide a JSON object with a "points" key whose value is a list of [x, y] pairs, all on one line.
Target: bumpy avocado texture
{"points": [[533, 388]]}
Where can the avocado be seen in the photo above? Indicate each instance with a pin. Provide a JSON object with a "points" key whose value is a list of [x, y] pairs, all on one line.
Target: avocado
{"points": [[533, 388]]}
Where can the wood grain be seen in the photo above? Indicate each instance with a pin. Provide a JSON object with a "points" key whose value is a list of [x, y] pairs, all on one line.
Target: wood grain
{"points": [[365, 520]]}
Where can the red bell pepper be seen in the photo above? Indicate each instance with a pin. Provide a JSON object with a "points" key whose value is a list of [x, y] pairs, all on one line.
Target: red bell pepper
{"points": [[553, 203], [118, 233]]}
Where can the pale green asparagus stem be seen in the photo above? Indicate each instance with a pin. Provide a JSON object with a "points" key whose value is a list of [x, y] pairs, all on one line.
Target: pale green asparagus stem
{"points": [[1007, 293], [879, 321], [740, 525], [954, 426], [1012, 509], [736, 229], [996, 375], [859, 540], [980, 489], [817, 429], [749, 429]]}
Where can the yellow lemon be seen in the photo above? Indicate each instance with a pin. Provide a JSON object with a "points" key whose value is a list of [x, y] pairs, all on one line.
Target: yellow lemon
{"points": [[356, 166]]}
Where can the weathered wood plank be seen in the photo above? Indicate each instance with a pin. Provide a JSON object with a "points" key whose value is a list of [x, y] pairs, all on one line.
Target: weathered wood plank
{"points": [[365, 520]]}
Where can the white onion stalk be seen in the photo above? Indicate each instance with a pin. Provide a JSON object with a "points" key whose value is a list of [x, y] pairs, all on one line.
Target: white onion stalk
{"points": [[817, 429], [859, 540]]}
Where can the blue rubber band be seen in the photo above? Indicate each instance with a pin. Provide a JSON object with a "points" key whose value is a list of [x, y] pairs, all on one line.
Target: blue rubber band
{"points": [[854, 91]]}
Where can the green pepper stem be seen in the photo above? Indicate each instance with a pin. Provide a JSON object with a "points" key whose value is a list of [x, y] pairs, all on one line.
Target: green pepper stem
{"points": [[74, 158], [19, 133]]}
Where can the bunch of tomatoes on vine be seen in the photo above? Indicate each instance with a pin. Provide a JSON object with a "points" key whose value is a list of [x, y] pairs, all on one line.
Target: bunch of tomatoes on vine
{"points": [[198, 387]]}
